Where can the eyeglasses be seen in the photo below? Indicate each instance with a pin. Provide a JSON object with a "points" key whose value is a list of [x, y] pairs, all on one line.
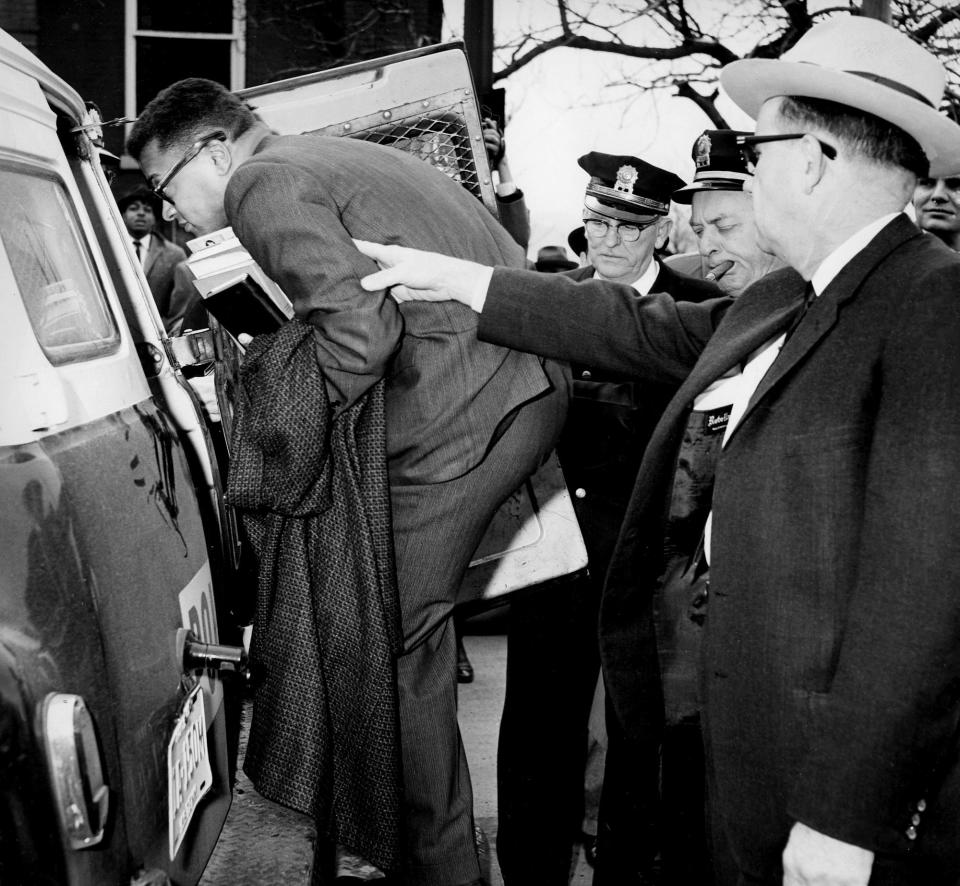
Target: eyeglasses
{"points": [[751, 156], [195, 149], [627, 233]]}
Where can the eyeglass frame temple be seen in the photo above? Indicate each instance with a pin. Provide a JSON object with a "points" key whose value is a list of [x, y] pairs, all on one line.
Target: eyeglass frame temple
{"points": [[195, 149], [746, 142]]}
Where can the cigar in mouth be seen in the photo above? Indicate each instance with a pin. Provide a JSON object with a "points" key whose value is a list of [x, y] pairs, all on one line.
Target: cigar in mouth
{"points": [[719, 271]]}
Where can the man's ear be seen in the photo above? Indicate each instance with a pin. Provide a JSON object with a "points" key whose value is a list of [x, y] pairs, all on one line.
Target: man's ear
{"points": [[221, 156], [664, 227], [814, 162]]}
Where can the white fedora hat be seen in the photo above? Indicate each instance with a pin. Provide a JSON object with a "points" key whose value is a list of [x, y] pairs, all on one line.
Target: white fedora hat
{"points": [[865, 64]]}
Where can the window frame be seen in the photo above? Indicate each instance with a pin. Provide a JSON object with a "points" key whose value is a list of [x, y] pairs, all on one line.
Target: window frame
{"points": [[238, 53], [80, 352]]}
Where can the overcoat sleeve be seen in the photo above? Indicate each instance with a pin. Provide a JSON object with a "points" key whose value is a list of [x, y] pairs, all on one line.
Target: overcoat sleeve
{"points": [[601, 324], [286, 220]]}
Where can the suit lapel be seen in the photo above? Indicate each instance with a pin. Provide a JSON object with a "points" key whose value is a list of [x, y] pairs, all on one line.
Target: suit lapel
{"points": [[757, 317], [823, 313]]}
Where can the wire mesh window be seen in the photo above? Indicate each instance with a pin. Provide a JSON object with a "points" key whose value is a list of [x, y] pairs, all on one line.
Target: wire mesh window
{"points": [[440, 139]]}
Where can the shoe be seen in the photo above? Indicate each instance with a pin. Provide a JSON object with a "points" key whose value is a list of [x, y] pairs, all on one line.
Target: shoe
{"points": [[464, 668], [589, 843]]}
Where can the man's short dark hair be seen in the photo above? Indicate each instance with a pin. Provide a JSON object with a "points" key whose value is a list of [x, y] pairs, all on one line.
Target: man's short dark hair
{"points": [[186, 111], [862, 133]]}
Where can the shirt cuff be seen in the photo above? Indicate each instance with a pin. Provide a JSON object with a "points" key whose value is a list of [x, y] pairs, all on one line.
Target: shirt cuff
{"points": [[481, 285], [507, 189]]}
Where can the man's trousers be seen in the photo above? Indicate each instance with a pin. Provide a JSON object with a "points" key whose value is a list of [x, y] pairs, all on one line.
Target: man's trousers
{"points": [[437, 527]]}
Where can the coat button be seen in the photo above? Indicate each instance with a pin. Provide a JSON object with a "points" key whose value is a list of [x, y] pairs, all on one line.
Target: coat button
{"points": [[921, 805], [915, 818], [911, 833], [580, 492], [587, 374]]}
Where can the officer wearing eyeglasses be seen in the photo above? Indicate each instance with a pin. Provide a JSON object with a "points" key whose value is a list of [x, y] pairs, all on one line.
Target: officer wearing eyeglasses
{"points": [[552, 649], [625, 217]]}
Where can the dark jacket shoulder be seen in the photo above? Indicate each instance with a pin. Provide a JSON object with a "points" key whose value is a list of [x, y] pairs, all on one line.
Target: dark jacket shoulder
{"points": [[682, 287]]}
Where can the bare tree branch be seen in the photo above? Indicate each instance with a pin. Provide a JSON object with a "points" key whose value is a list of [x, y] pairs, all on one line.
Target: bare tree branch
{"points": [[706, 103], [693, 51], [935, 24], [660, 53]]}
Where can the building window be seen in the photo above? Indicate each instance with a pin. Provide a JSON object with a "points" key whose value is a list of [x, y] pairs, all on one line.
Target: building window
{"points": [[168, 40]]}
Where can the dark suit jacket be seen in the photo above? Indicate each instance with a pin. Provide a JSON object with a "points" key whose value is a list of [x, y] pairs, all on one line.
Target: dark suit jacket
{"points": [[172, 290], [296, 203], [831, 663], [609, 423]]}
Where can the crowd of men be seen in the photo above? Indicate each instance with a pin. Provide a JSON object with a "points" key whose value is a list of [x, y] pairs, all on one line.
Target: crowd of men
{"points": [[771, 528]]}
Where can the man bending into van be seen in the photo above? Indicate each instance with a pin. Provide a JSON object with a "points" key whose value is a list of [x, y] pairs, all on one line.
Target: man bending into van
{"points": [[466, 422]]}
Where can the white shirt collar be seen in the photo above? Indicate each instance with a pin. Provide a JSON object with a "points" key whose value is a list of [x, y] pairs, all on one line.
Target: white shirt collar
{"points": [[834, 263], [644, 283]]}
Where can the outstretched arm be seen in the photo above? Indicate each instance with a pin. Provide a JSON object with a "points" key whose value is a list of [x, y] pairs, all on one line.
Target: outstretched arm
{"points": [[604, 325]]}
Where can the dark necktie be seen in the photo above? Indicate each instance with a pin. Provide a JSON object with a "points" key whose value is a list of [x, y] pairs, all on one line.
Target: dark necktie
{"points": [[809, 297], [136, 246]]}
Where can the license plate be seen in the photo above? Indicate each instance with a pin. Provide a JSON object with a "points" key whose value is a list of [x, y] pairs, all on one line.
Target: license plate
{"points": [[189, 775]]}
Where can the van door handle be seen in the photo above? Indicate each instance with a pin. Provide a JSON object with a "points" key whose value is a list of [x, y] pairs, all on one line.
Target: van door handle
{"points": [[195, 655]]}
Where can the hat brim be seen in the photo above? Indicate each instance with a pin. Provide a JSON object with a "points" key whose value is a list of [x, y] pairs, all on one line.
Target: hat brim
{"points": [[620, 211], [555, 265], [750, 82], [685, 195]]}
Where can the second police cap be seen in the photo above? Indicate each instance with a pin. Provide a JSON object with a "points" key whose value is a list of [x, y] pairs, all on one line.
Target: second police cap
{"points": [[627, 187], [720, 165]]}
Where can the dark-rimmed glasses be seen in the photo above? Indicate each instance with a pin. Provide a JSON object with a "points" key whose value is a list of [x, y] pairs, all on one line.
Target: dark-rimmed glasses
{"points": [[195, 149], [628, 233], [748, 143]]}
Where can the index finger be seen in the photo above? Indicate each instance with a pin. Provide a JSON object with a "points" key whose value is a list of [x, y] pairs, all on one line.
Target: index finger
{"points": [[379, 252]]}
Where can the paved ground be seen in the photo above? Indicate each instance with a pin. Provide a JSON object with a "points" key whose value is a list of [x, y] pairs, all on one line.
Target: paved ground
{"points": [[265, 844]]}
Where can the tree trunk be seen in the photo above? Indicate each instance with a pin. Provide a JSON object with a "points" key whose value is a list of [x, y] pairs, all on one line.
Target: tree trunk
{"points": [[878, 9]]}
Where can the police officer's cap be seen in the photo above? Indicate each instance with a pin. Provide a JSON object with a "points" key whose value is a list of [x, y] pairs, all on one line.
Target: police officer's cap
{"points": [[720, 165], [626, 187]]}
